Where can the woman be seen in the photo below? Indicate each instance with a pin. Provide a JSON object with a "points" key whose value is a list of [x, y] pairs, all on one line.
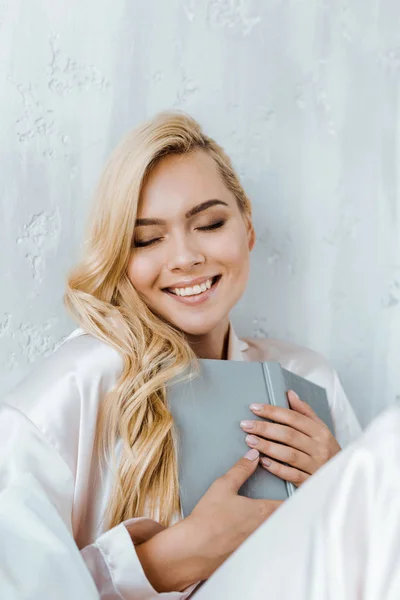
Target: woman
{"points": [[166, 259]]}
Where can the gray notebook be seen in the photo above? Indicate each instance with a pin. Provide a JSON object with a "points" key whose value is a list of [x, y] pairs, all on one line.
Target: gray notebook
{"points": [[207, 411]]}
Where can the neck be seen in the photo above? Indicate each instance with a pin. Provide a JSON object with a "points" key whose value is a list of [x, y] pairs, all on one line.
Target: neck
{"points": [[213, 344]]}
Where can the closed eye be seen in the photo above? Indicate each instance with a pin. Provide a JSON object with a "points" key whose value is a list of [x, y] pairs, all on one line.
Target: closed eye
{"points": [[146, 243], [139, 244], [213, 226]]}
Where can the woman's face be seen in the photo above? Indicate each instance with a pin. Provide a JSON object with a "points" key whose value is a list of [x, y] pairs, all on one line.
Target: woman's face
{"points": [[190, 261]]}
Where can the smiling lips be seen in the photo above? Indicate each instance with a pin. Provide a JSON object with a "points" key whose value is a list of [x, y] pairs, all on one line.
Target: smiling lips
{"points": [[198, 287], [192, 291]]}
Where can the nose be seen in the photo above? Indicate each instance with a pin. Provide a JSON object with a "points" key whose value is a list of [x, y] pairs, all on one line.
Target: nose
{"points": [[183, 253]]}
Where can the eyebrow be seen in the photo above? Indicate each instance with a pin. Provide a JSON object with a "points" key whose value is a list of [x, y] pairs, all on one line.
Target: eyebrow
{"points": [[191, 213]]}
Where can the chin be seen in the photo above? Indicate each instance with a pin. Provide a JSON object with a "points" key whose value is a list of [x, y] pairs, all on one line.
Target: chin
{"points": [[199, 328]]}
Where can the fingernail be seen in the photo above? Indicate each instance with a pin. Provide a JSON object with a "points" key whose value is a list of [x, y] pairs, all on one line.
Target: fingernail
{"points": [[256, 407], [252, 454], [252, 440], [247, 424], [293, 395], [266, 462]]}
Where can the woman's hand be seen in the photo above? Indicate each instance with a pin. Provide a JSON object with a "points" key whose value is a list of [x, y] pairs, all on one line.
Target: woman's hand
{"points": [[305, 442], [223, 519], [194, 548]]}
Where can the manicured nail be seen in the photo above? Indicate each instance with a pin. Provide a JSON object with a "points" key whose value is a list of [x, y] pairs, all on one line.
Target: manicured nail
{"points": [[252, 440], [256, 407], [247, 424], [266, 462], [252, 454]]}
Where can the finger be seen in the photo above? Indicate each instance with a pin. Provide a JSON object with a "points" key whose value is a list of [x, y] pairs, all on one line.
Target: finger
{"points": [[284, 472], [301, 407], [280, 433], [285, 416], [285, 454], [241, 471]]}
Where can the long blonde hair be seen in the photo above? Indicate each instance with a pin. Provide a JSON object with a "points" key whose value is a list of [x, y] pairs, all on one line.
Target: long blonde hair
{"points": [[103, 301]]}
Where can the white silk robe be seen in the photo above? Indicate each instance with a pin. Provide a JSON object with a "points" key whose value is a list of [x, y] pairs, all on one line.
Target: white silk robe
{"points": [[337, 538], [53, 492]]}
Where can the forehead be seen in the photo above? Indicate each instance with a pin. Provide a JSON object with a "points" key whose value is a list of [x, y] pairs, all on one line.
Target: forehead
{"points": [[179, 182]]}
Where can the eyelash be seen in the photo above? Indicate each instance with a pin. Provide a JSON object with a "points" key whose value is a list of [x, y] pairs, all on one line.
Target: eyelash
{"points": [[211, 227], [144, 244], [216, 225]]}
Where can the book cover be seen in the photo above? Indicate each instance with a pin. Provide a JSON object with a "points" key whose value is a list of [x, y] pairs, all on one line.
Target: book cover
{"points": [[207, 411]]}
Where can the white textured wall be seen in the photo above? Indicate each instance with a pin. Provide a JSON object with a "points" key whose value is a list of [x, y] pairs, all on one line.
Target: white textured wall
{"points": [[304, 94]]}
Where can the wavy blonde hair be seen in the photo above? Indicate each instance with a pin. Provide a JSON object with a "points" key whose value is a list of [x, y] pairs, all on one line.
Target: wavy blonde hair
{"points": [[103, 301]]}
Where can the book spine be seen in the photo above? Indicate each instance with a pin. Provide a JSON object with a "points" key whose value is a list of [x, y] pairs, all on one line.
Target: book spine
{"points": [[276, 390]]}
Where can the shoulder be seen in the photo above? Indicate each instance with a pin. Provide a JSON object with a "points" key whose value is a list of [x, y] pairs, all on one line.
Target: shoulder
{"points": [[297, 359], [63, 392]]}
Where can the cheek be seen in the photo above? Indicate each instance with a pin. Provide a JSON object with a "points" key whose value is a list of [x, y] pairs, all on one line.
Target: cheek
{"points": [[232, 249], [142, 272]]}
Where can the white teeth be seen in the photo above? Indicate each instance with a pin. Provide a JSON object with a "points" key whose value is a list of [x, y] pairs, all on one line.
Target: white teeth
{"points": [[193, 291]]}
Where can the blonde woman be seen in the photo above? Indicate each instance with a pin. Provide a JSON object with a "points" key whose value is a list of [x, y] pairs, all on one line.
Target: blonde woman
{"points": [[167, 258]]}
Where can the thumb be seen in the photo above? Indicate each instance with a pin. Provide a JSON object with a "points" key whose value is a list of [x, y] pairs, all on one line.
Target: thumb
{"points": [[241, 471]]}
